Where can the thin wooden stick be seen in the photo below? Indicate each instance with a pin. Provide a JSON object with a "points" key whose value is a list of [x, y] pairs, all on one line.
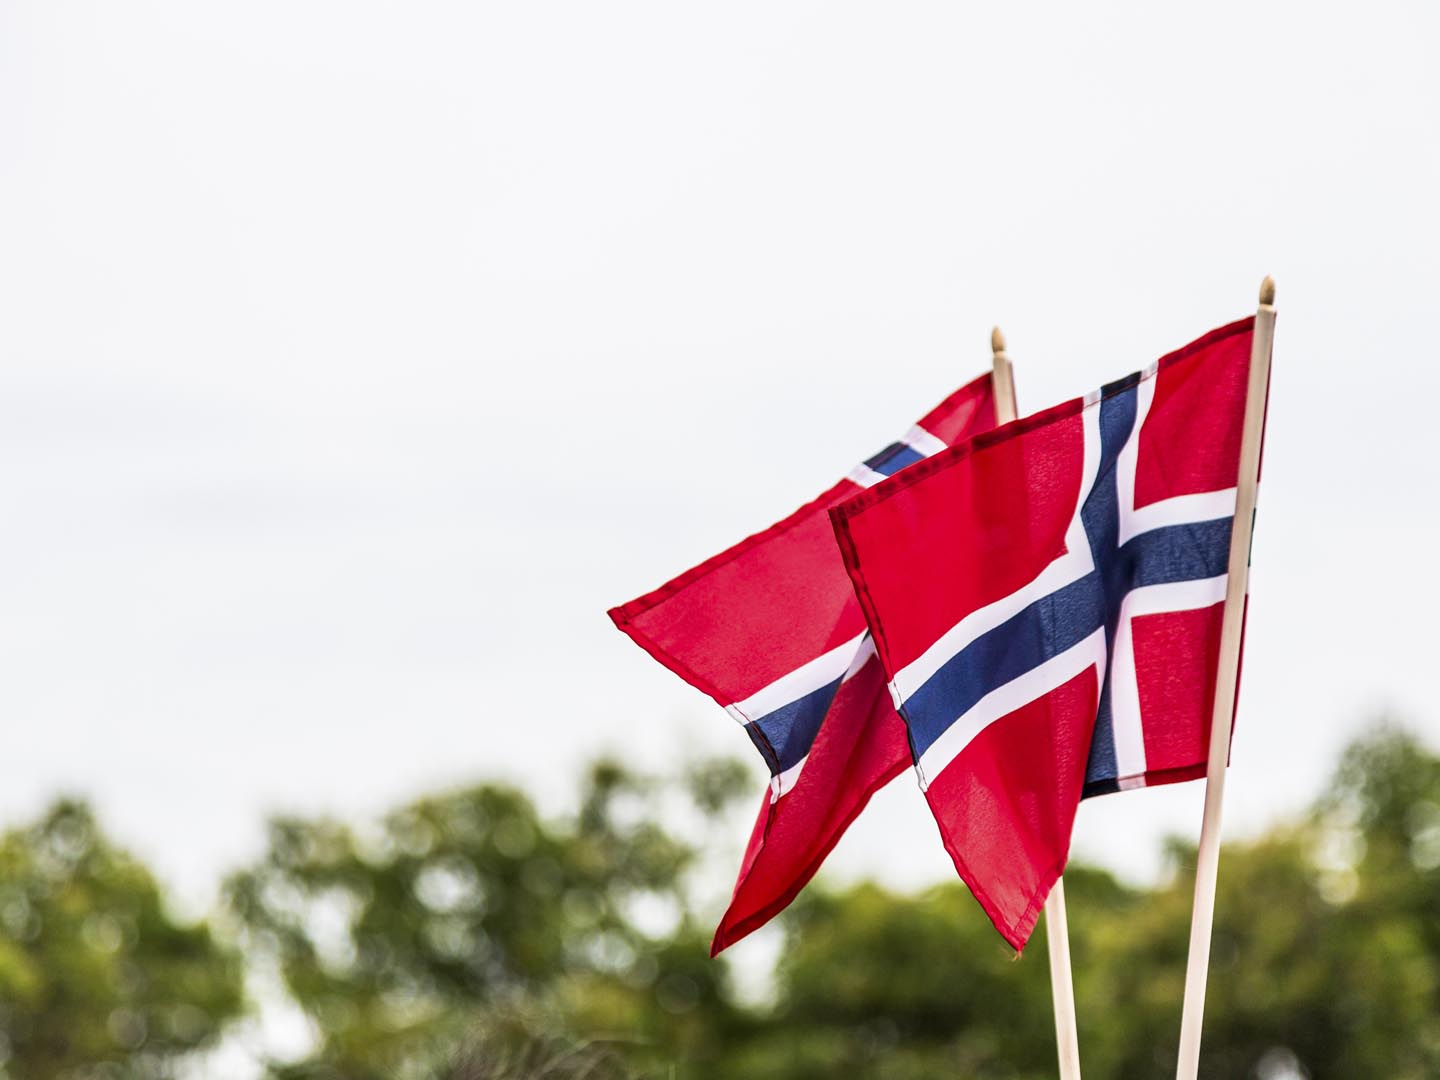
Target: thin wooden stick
{"points": [[1003, 379], [1207, 862], [1062, 988], [1057, 928]]}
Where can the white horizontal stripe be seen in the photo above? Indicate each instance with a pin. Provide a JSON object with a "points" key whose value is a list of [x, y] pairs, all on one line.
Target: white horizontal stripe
{"points": [[1074, 564], [1181, 510], [922, 442], [1004, 700], [1175, 596], [806, 679]]}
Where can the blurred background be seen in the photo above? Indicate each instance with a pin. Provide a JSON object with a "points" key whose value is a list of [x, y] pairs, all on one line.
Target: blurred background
{"points": [[357, 356]]}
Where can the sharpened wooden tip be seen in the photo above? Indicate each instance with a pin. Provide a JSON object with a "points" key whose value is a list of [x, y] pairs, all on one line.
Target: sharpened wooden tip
{"points": [[997, 340], [1267, 291]]}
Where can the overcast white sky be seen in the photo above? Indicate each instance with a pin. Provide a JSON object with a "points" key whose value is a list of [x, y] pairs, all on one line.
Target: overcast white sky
{"points": [[356, 356]]}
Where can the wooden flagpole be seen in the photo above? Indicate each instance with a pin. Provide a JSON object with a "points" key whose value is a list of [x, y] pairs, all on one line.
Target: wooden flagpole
{"points": [[1207, 862], [1003, 379], [1057, 929]]}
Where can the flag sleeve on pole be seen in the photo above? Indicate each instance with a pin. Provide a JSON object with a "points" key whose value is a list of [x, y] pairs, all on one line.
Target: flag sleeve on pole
{"points": [[771, 629]]}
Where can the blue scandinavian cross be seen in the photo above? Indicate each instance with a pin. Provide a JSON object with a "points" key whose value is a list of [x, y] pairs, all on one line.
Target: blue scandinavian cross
{"points": [[783, 718], [1119, 562]]}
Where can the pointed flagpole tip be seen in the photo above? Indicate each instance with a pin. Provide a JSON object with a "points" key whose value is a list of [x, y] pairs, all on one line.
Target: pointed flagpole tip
{"points": [[997, 340], [1267, 291]]}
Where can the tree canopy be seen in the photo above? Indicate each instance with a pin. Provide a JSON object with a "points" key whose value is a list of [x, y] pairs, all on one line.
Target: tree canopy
{"points": [[97, 978], [468, 936]]}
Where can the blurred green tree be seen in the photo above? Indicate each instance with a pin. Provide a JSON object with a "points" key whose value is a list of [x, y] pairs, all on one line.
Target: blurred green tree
{"points": [[1324, 962], [1302, 984], [95, 974], [874, 984], [1380, 829], [459, 905], [464, 908]]}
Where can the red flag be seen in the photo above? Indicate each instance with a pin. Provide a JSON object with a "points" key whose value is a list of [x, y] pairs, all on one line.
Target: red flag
{"points": [[1046, 601], [772, 631]]}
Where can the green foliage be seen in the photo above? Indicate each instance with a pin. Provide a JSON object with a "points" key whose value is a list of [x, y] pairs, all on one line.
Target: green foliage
{"points": [[466, 937], [515, 1047], [93, 971], [1326, 957], [1340, 990], [1324, 963], [394, 943], [873, 984]]}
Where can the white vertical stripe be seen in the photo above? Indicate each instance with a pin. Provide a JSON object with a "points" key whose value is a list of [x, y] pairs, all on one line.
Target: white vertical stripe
{"points": [[783, 782], [1129, 456], [1127, 726], [1127, 732]]}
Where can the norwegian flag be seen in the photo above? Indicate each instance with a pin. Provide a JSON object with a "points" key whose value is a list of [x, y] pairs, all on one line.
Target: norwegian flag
{"points": [[772, 631], [1046, 601]]}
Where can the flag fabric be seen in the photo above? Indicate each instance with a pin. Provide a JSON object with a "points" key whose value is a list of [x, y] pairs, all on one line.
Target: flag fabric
{"points": [[771, 629], [1046, 601]]}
